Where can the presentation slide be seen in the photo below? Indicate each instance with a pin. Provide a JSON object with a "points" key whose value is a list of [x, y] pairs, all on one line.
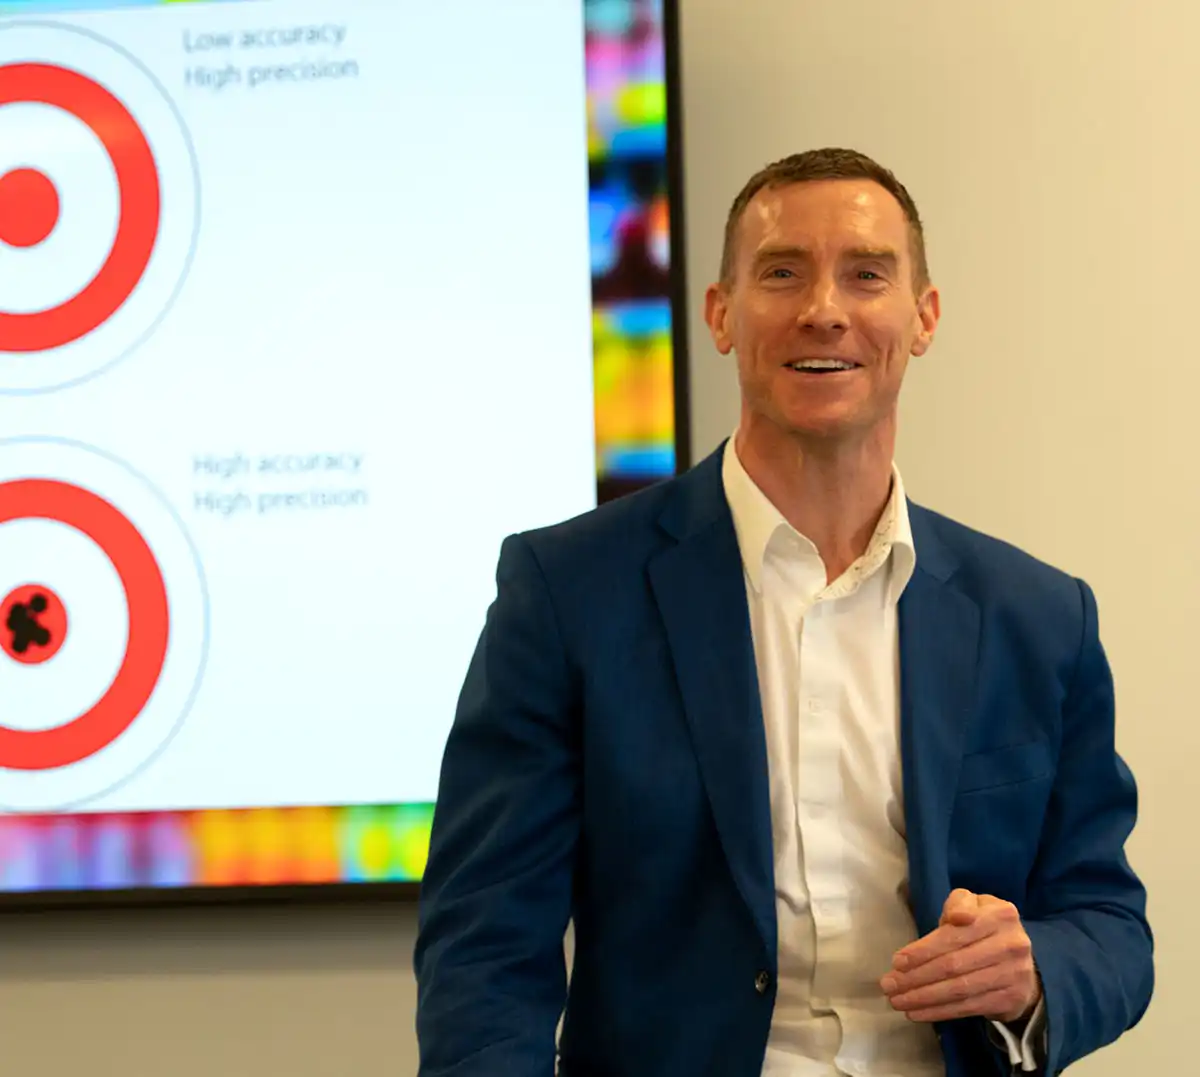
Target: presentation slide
{"points": [[296, 325]]}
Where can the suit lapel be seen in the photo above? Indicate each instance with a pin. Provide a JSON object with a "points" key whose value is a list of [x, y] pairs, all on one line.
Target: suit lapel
{"points": [[700, 591], [939, 656]]}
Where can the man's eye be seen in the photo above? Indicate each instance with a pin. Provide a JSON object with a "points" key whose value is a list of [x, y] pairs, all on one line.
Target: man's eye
{"points": [[867, 274], [780, 273]]}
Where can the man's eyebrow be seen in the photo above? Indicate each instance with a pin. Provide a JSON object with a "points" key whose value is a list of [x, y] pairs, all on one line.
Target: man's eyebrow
{"points": [[858, 254], [765, 254], [874, 254]]}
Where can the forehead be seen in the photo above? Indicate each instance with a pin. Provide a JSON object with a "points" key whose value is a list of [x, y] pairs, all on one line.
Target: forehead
{"points": [[823, 214]]}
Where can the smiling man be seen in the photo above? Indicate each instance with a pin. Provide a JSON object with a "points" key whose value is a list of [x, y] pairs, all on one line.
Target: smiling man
{"points": [[826, 781]]}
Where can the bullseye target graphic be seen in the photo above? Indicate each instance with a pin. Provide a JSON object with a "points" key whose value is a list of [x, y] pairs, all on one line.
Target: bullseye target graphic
{"points": [[99, 205], [103, 623], [33, 624]]}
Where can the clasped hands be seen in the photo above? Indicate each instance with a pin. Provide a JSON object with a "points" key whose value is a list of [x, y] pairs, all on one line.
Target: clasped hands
{"points": [[978, 962]]}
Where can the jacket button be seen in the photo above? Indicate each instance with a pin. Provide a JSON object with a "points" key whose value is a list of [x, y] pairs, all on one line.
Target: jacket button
{"points": [[762, 981]]}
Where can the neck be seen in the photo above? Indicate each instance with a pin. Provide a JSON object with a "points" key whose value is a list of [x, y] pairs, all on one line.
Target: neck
{"points": [[833, 493]]}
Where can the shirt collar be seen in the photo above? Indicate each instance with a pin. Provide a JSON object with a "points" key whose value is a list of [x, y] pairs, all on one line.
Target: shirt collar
{"points": [[756, 520]]}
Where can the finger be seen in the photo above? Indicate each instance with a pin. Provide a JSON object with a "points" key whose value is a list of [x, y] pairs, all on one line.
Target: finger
{"points": [[961, 908], [978, 955], [991, 1005], [995, 915], [940, 941], [958, 989]]}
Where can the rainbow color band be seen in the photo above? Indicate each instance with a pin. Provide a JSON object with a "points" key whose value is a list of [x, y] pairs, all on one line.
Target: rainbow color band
{"points": [[254, 847]]}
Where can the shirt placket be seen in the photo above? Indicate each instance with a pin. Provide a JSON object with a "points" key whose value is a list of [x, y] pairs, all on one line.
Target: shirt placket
{"points": [[820, 802]]}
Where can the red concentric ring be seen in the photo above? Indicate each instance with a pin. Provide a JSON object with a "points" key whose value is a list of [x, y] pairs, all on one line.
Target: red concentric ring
{"points": [[149, 624], [140, 205]]}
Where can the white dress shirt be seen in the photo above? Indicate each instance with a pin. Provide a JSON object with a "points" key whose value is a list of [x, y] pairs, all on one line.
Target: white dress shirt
{"points": [[827, 656]]}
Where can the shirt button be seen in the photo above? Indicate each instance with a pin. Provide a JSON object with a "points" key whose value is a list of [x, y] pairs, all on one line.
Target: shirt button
{"points": [[762, 981]]}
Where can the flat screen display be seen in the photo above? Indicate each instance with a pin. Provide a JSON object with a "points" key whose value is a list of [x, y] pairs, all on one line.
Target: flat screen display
{"points": [[304, 307]]}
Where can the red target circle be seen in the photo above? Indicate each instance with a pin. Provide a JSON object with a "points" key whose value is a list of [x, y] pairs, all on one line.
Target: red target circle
{"points": [[29, 207], [33, 624], [140, 205], [149, 623]]}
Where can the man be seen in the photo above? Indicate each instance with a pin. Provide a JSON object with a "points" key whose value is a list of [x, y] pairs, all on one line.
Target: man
{"points": [[827, 782]]}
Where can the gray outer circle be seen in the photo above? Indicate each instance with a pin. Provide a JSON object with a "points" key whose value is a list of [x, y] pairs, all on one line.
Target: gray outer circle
{"points": [[204, 639], [187, 265]]}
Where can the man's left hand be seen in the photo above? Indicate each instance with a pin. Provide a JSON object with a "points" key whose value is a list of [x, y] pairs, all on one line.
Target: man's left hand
{"points": [[978, 962]]}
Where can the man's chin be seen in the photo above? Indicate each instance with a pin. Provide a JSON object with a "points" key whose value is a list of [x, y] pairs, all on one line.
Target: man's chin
{"points": [[817, 429], [831, 426]]}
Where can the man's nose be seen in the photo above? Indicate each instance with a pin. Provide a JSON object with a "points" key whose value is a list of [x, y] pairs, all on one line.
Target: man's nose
{"points": [[824, 311]]}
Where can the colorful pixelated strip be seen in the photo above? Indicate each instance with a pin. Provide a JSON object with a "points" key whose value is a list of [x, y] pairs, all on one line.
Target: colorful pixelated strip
{"points": [[252, 847], [635, 394]]}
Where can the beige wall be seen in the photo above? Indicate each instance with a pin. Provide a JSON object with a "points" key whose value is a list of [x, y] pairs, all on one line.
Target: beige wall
{"points": [[1051, 146]]}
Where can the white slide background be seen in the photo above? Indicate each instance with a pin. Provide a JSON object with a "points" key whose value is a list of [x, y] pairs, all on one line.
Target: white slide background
{"points": [[389, 274]]}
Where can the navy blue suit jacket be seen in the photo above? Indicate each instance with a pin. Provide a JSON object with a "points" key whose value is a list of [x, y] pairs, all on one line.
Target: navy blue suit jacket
{"points": [[608, 763]]}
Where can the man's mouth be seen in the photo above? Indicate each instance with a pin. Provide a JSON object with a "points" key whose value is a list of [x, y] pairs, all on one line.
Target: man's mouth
{"points": [[822, 366]]}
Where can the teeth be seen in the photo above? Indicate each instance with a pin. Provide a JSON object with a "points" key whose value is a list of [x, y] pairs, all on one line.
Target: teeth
{"points": [[821, 364]]}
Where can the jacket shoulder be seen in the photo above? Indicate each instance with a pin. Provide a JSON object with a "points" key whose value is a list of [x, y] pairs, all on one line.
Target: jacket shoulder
{"points": [[999, 573], [614, 531]]}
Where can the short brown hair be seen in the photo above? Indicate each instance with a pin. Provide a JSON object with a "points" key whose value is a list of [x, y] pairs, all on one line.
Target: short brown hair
{"points": [[826, 164]]}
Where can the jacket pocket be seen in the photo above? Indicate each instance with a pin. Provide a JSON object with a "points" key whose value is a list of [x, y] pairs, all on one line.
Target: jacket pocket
{"points": [[1005, 766]]}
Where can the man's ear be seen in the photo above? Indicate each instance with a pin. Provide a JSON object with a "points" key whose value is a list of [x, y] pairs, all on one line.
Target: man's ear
{"points": [[716, 314], [929, 313]]}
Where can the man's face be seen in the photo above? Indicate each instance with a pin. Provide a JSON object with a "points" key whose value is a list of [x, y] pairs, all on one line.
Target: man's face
{"points": [[822, 277]]}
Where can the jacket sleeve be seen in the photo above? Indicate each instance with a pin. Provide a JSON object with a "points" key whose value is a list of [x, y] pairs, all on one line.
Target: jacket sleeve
{"points": [[1086, 909], [496, 894]]}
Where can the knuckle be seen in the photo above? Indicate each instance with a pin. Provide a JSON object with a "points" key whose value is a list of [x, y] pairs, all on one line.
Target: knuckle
{"points": [[1019, 946]]}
